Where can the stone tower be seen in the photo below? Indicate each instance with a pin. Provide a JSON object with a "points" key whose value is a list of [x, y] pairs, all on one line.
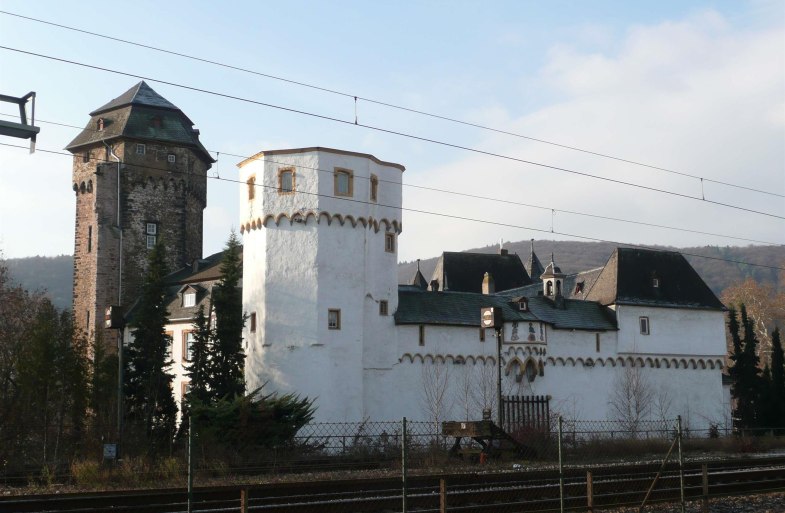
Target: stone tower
{"points": [[140, 175], [320, 274]]}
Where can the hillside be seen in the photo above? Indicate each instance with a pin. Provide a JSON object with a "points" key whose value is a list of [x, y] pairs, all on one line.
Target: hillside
{"points": [[580, 256], [54, 274]]}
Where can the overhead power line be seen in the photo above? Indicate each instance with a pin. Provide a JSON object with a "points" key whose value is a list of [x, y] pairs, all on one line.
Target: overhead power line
{"points": [[425, 212], [394, 132], [464, 194], [391, 105]]}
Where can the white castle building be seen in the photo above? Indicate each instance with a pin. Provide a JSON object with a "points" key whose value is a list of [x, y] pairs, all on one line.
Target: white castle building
{"points": [[328, 320]]}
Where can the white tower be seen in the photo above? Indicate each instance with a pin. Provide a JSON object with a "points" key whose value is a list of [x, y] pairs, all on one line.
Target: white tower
{"points": [[320, 229]]}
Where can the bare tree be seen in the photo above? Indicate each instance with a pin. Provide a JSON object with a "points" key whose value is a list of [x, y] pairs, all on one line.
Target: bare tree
{"points": [[663, 401], [484, 392], [631, 398], [765, 307], [464, 390], [434, 396]]}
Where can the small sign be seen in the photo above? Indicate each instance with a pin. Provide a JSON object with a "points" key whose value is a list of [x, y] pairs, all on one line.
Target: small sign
{"points": [[491, 317], [110, 452]]}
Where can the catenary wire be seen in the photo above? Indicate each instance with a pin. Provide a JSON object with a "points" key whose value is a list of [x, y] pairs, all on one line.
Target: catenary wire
{"points": [[391, 105], [425, 212], [395, 132], [464, 194]]}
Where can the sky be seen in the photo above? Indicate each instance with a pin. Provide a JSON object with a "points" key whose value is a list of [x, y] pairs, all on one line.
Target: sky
{"points": [[695, 88]]}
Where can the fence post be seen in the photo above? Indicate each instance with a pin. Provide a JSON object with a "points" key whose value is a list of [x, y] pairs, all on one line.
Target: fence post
{"points": [[561, 470], [705, 469], [404, 463], [681, 462], [243, 500], [589, 491], [442, 495]]}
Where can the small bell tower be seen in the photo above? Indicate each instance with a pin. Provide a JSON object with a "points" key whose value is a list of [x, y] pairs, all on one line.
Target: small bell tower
{"points": [[552, 280]]}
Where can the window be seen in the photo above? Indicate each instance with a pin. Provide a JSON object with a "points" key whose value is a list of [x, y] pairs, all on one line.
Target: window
{"points": [[344, 182], [482, 334], [185, 389], [89, 239], [644, 322], [374, 188], [286, 181], [151, 234], [655, 282], [251, 187], [389, 242], [169, 344], [422, 335], [383, 307], [87, 326], [86, 156], [334, 319], [523, 304], [188, 343], [171, 158], [253, 322], [140, 149], [189, 299], [549, 288], [597, 342]]}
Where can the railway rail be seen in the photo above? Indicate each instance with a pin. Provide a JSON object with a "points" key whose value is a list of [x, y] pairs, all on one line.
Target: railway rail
{"points": [[531, 491]]}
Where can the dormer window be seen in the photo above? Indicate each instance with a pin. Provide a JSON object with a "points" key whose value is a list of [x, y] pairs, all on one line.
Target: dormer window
{"points": [[189, 299], [655, 282], [579, 287], [523, 304]]}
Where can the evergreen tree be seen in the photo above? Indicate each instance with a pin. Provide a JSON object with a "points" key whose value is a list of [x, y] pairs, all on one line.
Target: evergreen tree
{"points": [[148, 383], [777, 380], [198, 370], [752, 381], [227, 361]]}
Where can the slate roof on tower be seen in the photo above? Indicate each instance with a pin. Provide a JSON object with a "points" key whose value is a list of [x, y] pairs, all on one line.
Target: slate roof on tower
{"points": [[653, 278], [463, 272], [140, 113], [534, 266]]}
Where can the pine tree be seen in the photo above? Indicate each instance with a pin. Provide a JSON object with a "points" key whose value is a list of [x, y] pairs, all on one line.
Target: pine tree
{"points": [[736, 370], [227, 379], [752, 381], [148, 384], [777, 380], [198, 370]]}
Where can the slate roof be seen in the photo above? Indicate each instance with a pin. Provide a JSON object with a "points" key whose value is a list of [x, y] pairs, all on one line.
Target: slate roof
{"points": [[570, 288], [627, 278], [463, 272], [208, 273], [534, 266], [463, 309], [132, 114]]}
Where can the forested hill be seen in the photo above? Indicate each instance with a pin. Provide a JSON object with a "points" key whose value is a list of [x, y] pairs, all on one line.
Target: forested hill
{"points": [[581, 256], [54, 274]]}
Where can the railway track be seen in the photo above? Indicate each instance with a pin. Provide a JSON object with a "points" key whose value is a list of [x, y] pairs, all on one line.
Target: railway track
{"points": [[531, 491]]}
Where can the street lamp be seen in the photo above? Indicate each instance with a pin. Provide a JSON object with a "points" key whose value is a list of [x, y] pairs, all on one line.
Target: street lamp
{"points": [[491, 317]]}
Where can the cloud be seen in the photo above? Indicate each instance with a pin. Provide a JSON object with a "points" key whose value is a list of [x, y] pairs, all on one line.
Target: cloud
{"points": [[694, 95]]}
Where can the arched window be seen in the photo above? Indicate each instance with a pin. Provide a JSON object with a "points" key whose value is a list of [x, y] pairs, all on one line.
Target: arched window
{"points": [[343, 182], [549, 288], [286, 181], [530, 371]]}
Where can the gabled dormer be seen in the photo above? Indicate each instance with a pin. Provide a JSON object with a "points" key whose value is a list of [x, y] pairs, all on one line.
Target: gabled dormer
{"points": [[190, 295]]}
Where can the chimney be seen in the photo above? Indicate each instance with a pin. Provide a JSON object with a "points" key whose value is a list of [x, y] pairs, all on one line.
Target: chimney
{"points": [[488, 285], [503, 252], [195, 266]]}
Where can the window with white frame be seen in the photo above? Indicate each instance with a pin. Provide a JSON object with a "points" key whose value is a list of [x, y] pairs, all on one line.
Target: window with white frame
{"points": [[189, 299], [188, 343], [644, 324], [140, 149], [151, 234], [171, 158]]}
